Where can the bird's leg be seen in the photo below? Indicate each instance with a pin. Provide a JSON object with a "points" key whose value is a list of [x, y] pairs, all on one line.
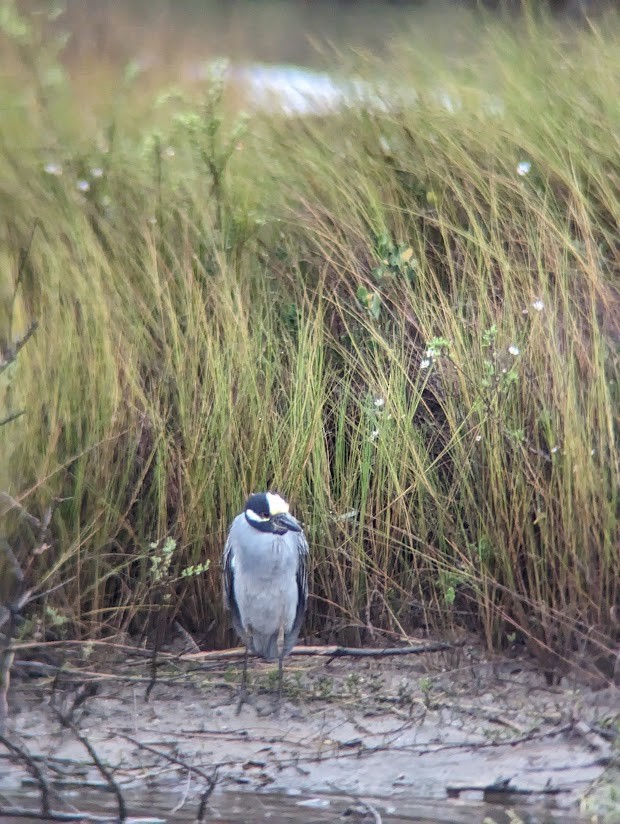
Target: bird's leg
{"points": [[243, 692], [280, 669], [280, 679]]}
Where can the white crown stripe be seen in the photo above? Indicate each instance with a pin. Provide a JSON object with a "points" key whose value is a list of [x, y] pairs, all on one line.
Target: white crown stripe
{"points": [[277, 504]]}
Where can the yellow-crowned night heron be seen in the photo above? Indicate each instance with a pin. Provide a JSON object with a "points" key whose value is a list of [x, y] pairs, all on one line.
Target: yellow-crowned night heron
{"points": [[265, 580]]}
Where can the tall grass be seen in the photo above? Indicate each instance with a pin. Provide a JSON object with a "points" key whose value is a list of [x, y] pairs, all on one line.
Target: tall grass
{"points": [[381, 314]]}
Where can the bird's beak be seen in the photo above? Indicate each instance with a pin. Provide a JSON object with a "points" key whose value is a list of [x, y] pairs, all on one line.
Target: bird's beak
{"points": [[287, 522]]}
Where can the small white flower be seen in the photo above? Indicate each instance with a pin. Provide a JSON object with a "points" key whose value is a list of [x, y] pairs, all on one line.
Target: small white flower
{"points": [[169, 151], [425, 363], [96, 171], [538, 305], [83, 185], [53, 169], [374, 434], [504, 370], [478, 438], [514, 350], [593, 452], [555, 449], [379, 403], [524, 168]]}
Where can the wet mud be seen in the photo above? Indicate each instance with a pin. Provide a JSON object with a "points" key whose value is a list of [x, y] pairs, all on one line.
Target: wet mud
{"points": [[427, 738]]}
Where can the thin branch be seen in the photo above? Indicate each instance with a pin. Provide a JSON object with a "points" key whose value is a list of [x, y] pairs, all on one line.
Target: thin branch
{"points": [[12, 417], [210, 779], [6, 662], [10, 610], [13, 349], [34, 770], [103, 768], [7, 503], [202, 807]]}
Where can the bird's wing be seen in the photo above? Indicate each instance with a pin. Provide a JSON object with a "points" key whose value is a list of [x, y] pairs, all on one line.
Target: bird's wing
{"points": [[302, 579], [228, 574], [228, 585]]}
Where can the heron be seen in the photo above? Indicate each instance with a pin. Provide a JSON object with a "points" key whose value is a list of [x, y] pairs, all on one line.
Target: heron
{"points": [[265, 580]]}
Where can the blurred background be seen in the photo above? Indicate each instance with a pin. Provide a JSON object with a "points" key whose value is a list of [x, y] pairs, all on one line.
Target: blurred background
{"points": [[275, 31]]}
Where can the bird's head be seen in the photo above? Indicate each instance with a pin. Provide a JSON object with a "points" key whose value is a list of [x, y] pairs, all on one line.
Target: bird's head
{"points": [[268, 512]]}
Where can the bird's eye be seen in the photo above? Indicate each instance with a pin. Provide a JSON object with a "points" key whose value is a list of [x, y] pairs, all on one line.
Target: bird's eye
{"points": [[257, 515]]}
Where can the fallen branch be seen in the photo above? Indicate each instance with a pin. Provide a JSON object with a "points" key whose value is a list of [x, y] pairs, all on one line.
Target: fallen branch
{"points": [[329, 652], [501, 789], [360, 652]]}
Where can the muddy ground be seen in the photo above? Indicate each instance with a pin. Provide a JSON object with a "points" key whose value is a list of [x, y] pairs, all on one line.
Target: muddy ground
{"points": [[442, 736]]}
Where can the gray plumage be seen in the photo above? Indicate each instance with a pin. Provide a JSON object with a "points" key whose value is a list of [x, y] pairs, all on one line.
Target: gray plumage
{"points": [[265, 579]]}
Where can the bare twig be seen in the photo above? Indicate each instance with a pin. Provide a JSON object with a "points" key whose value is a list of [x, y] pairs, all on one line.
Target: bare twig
{"points": [[13, 417], [7, 503], [13, 349], [11, 611], [34, 770], [211, 780], [172, 759], [6, 661], [75, 699], [103, 768], [202, 807]]}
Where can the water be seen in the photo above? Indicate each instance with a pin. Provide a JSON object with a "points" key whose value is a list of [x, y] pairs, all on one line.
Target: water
{"points": [[250, 807], [270, 31], [279, 52]]}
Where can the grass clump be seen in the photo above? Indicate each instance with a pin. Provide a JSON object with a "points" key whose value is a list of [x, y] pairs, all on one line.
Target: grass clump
{"points": [[405, 318]]}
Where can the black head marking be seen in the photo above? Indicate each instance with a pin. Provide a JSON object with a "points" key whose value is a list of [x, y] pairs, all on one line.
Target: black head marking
{"points": [[268, 512], [259, 504]]}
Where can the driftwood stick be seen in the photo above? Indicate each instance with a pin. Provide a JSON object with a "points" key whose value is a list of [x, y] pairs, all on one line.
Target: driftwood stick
{"points": [[361, 652], [329, 652]]}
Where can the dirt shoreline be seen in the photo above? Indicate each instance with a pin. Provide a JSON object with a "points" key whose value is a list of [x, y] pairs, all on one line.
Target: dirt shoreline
{"points": [[449, 729]]}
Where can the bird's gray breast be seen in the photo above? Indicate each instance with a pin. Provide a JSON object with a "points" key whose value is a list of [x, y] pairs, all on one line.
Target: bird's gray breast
{"points": [[265, 581]]}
